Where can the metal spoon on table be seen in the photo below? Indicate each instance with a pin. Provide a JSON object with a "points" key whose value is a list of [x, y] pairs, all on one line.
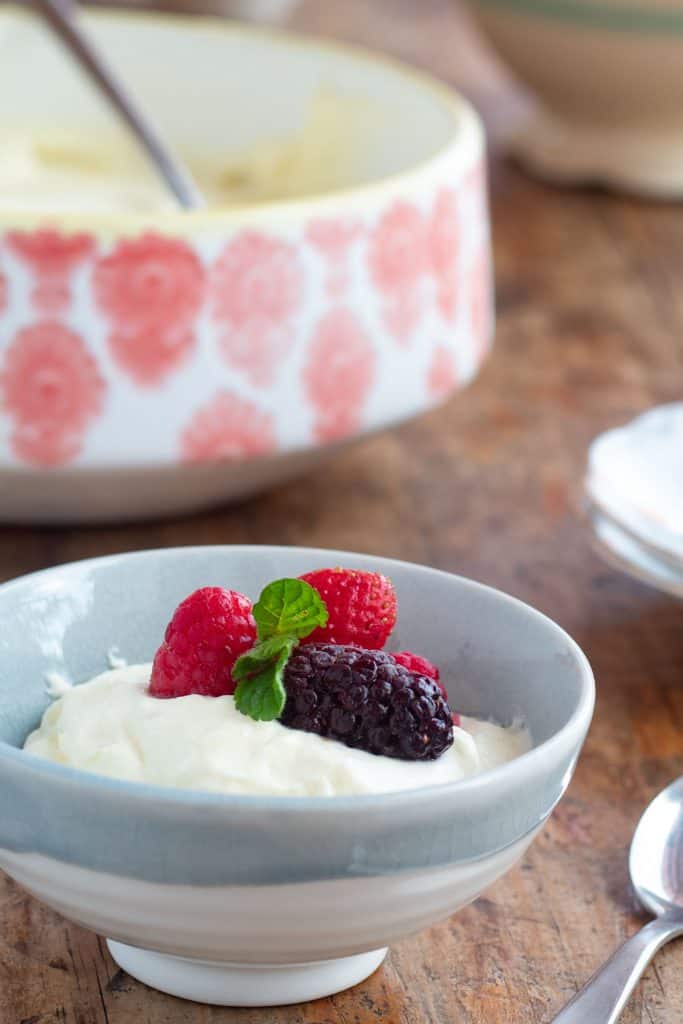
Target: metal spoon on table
{"points": [[656, 869], [60, 16]]}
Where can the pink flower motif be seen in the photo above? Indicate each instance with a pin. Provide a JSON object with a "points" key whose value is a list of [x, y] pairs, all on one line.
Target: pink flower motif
{"points": [[53, 258], [150, 280], [40, 445], [256, 290], [474, 185], [148, 353], [401, 315], [339, 375], [333, 238], [228, 427], [481, 303], [257, 348], [152, 289], [444, 250], [256, 277], [442, 376], [51, 386], [398, 253], [398, 257], [49, 252]]}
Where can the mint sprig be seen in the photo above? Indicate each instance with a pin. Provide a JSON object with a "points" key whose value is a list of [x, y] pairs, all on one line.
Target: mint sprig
{"points": [[260, 692], [287, 611], [289, 608]]}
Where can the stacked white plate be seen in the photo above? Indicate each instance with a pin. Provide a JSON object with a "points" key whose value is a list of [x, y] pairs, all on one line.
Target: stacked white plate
{"points": [[634, 490]]}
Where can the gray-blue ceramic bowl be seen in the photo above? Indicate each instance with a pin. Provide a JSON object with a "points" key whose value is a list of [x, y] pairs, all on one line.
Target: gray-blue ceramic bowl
{"points": [[259, 900]]}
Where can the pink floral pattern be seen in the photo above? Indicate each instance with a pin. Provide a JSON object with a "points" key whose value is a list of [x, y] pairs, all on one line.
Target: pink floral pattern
{"points": [[398, 249], [398, 257], [256, 276], [313, 313], [258, 348], [442, 376], [51, 387], [474, 187], [151, 289], [256, 290], [481, 311], [148, 353], [228, 427], [339, 375], [444, 251], [52, 258], [150, 280], [333, 238]]}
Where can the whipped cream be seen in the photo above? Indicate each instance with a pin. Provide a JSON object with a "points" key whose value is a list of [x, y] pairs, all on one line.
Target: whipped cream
{"points": [[111, 726]]}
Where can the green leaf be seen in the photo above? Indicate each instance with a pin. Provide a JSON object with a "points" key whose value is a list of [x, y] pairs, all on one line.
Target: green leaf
{"points": [[289, 608], [260, 692]]}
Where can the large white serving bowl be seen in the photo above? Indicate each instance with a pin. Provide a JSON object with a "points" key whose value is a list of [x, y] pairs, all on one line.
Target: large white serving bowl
{"points": [[262, 900], [155, 362], [609, 77]]}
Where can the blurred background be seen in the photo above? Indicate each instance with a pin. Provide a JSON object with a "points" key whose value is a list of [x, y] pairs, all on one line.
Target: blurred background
{"points": [[439, 35]]}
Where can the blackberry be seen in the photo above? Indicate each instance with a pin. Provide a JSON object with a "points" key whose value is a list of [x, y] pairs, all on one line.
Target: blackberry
{"points": [[365, 699]]}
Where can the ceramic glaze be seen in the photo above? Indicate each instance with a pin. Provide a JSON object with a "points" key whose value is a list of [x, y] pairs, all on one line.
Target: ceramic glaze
{"points": [[157, 361], [263, 878]]}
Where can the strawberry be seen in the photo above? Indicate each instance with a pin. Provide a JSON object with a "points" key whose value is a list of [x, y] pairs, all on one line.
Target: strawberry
{"points": [[361, 607]]}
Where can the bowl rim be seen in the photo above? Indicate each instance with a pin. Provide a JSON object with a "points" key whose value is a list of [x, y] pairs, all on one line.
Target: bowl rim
{"points": [[470, 790], [466, 140]]}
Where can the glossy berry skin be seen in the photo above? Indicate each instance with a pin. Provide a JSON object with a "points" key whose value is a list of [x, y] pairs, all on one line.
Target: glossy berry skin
{"points": [[364, 699], [208, 632], [361, 607], [416, 663], [422, 666]]}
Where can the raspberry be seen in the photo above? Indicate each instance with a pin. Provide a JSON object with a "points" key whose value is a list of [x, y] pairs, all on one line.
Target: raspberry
{"points": [[416, 663], [361, 607], [364, 699], [208, 632]]}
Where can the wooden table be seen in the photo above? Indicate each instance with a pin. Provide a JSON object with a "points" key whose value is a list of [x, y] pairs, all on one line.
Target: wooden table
{"points": [[590, 332]]}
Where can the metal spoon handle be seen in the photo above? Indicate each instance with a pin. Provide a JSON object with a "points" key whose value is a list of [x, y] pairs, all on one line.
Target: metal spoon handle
{"points": [[603, 998], [59, 15]]}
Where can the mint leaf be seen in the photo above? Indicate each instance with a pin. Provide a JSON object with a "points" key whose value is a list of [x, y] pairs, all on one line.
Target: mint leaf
{"points": [[289, 608], [260, 692], [286, 611]]}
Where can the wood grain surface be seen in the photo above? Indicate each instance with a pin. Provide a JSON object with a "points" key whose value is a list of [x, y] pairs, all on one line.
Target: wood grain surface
{"points": [[590, 332]]}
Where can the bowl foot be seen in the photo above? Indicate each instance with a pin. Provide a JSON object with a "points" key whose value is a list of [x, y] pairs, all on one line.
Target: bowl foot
{"points": [[570, 153], [232, 984]]}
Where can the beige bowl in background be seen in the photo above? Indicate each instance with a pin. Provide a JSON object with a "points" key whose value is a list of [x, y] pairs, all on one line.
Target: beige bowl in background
{"points": [[609, 78]]}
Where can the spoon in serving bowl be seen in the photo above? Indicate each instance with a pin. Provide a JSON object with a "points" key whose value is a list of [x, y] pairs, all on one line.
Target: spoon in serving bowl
{"points": [[60, 16], [656, 869]]}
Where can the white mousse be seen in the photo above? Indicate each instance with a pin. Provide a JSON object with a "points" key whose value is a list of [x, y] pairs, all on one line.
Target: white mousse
{"points": [[111, 726]]}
